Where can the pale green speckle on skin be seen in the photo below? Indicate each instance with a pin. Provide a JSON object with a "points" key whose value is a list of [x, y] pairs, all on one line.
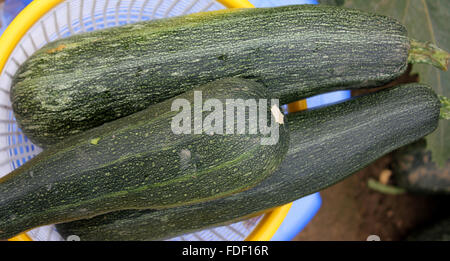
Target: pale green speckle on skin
{"points": [[95, 141]]}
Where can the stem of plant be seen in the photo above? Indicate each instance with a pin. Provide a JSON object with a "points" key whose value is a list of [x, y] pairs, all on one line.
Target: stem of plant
{"points": [[428, 53], [385, 189]]}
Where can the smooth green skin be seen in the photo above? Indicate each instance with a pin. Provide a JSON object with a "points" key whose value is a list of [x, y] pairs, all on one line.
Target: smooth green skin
{"points": [[326, 146], [83, 81], [138, 162]]}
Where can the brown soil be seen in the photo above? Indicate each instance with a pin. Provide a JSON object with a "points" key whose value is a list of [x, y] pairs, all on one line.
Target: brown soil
{"points": [[352, 211]]}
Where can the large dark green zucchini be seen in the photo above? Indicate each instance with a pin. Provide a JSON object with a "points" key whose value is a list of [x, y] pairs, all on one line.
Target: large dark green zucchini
{"points": [[83, 81], [138, 162], [326, 146]]}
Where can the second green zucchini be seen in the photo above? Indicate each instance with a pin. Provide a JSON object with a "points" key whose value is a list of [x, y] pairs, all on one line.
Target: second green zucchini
{"points": [[326, 146]]}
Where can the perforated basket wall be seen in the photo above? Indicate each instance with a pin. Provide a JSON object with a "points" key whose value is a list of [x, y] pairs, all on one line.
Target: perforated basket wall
{"points": [[73, 17]]}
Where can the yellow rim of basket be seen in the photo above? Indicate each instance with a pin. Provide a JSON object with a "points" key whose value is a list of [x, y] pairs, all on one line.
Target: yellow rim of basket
{"points": [[265, 229]]}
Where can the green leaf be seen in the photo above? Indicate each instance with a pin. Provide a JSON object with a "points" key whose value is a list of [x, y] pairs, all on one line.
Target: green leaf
{"points": [[427, 21]]}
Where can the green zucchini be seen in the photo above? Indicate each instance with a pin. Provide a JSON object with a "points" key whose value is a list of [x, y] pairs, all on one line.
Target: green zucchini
{"points": [[326, 145], [85, 80], [139, 162]]}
